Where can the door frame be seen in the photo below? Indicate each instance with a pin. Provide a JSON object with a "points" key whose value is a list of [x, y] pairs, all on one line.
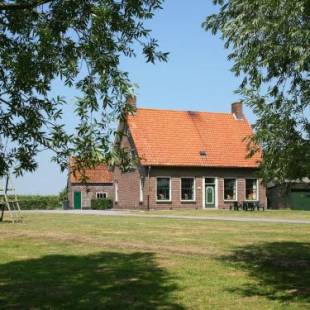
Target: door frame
{"points": [[215, 192], [212, 187], [81, 199]]}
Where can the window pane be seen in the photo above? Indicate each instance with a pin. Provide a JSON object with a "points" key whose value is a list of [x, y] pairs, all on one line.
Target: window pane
{"points": [[163, 189], [187, 188], [251, 189], [101, 195], [209, 181], [230, 189]]}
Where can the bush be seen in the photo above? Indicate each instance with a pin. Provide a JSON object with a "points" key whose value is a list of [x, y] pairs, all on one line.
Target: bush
{"points": [[101, 204], [35, 202], [63, 195]]}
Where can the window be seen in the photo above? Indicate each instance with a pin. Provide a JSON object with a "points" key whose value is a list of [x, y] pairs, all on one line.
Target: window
{"points": [[209, 180], [187, 189], [230, 189], [251, 189], [101, 195], [163, 189], [141, 190]]}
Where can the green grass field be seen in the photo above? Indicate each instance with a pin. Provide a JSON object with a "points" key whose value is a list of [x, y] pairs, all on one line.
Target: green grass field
{"points": [[275, 214], [87, 262]]}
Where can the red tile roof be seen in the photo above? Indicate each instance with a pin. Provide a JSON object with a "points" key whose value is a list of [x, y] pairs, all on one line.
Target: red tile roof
{"points": [[100, 174], [176, 138]]}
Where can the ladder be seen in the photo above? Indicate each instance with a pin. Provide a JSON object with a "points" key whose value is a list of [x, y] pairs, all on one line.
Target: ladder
{"points": [[9, 200]]}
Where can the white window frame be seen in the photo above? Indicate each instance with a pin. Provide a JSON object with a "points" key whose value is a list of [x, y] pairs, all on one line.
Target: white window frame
{"points": [[194, 194], [257, 190], [104, 193], [165, 200], [141, 190], [230, 178], [116, 191]]}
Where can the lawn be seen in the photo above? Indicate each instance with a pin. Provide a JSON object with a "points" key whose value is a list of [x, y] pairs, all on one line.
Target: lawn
{"points": [[86, 262], [273, 214]]}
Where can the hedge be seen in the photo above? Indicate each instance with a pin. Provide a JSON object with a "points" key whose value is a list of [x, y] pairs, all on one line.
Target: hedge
{"points": [[101, 204], [32, 202]]}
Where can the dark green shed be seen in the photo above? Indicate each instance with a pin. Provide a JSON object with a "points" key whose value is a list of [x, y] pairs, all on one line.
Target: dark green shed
{"points": [[300, 199]]}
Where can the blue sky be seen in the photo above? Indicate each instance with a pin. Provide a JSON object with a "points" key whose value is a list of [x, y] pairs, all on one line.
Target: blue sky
{"points": [[196, 77]]}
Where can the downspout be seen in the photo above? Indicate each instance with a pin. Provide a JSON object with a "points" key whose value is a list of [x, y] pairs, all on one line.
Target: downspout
{"points": [[149, 186]]}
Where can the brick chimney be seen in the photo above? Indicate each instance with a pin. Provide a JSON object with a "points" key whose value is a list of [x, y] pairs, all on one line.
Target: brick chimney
{"points": [[236, 109], [132, 100]]}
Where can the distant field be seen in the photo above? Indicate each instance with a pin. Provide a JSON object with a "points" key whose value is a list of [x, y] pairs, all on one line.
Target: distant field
{"points": [[71, 261]]}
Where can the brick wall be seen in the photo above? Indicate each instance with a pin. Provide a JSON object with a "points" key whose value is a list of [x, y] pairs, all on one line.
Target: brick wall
{"points": [[89, 193], [128, 190], [129, 187], [200, 174], [128, 183]]}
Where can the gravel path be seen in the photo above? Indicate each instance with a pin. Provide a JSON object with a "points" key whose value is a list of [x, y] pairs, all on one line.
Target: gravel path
{"points": [[181, 217]]}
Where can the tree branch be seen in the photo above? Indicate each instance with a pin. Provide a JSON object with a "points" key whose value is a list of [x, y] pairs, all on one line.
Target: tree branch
{"points": [[22, 6], [4, 101]]}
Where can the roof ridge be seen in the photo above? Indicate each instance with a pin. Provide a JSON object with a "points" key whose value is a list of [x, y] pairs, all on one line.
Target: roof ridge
{"points": [[184, 111]]}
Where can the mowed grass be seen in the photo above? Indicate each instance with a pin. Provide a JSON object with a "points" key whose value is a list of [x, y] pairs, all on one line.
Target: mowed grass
{"points": [[88, 262], [272, 214]]}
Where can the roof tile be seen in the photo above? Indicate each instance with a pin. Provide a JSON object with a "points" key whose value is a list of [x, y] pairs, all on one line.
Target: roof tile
{"points": [[176, 138], [100, 174]]}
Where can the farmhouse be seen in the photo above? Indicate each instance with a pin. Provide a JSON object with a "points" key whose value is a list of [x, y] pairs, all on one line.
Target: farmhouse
{"points": [[187, 160]]}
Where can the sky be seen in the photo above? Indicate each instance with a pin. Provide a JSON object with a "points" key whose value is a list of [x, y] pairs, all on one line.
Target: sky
{"points": [[197, 77]]}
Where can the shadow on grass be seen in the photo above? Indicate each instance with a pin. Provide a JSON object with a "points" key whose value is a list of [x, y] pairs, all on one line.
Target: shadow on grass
{"points": [[104, 281], [280, 270]]}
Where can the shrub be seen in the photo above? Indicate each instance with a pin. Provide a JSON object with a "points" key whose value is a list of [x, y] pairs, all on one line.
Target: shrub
{"points": [[63, 195], [33, 202], [101, 204]]}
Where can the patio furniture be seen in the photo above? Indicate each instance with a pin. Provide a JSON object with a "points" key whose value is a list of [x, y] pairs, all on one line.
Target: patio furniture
{"points": [[248, 206], [258, 206], [234, 206], [252, 206]]}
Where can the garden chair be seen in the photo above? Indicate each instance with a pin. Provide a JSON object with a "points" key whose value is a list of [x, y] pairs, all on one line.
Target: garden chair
{"points": [[234, 206]]}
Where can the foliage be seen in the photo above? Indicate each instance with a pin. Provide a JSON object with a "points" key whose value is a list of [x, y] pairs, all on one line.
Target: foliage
{"points": [[101, 204], [38, 202], [269, 45], [63, 195], [80, 44]]}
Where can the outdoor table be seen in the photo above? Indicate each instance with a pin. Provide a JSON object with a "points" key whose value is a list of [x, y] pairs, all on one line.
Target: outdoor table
{"points": [[246, 206]]}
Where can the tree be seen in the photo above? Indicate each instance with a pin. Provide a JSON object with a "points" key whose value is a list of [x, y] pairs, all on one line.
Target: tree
{"points": [[63, 195], [80, 43], [269, 44]]}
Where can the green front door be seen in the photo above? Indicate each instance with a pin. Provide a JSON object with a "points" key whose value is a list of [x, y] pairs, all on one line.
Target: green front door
{"points": [[77, 200], [210, 195]]}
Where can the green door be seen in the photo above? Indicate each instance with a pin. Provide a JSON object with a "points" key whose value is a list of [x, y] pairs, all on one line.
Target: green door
{"points": [[210, 195], [77, 200], [300, 200]]}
